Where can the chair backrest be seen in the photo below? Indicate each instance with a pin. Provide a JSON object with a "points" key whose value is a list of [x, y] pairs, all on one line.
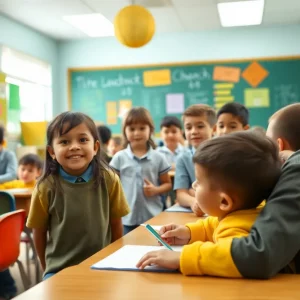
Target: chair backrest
{"points": [[11, 226], [7, 202]]}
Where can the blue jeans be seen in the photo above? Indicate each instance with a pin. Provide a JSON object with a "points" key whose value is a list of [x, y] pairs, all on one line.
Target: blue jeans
{"points": [[8, 288], [127, 228], [48, 275]]}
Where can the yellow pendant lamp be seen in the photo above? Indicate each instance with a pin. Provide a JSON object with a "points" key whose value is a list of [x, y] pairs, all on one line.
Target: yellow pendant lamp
{"points": [[134, 26]]}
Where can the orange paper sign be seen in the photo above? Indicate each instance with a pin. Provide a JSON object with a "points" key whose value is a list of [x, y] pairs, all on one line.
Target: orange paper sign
{"points": [[228, 74], [254, 74]]}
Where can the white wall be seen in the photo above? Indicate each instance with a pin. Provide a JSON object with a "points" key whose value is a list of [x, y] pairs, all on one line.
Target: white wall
{"points": [[190, 46], [29, 41]]}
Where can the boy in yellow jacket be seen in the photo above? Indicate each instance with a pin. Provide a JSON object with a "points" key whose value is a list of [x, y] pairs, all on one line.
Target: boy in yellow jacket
{"points": [[29, 169], [234, 174]]}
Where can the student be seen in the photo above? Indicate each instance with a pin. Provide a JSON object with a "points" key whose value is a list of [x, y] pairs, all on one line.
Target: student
{"points": [[274, 239], [232, 117], [78, 201], [8, 161], [30, 168], [143, 171], [105, 136], [115, 145], [199, 121], [171, 134], [230, 184]]}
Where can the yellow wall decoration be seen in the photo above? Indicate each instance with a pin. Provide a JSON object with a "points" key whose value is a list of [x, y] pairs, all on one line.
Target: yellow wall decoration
{"points": [[34, 133], [134, 26]]}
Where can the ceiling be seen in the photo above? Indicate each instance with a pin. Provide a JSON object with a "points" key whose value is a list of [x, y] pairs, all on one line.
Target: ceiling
{"points": [[170, 15]]}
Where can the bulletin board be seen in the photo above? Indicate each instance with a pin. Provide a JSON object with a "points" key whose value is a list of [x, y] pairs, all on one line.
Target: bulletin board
{"points": [[263, 85]]}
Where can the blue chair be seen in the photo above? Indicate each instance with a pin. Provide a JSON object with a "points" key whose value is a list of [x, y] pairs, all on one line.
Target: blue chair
{"points": [[7, 202]]}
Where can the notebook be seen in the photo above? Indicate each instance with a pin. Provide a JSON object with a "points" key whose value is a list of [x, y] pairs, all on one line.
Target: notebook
{"points": [[178, 208], [126, 258]]}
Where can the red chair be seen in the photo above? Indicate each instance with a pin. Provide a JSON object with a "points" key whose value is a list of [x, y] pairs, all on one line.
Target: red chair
{"points": [[11, 226]]}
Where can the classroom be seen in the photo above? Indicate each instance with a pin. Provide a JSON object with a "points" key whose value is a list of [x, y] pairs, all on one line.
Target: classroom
{"points": [[133, 107]]}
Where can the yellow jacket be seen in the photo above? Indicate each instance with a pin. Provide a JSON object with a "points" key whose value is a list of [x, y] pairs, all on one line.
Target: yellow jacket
{"points": [[17, 184], [209, 250]]}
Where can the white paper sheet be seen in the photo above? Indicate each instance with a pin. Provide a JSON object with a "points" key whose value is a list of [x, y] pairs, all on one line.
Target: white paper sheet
{"points": [[126, 258]]}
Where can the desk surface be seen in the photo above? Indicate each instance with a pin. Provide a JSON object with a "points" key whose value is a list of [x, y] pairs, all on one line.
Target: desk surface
{"points": [[22, 197], [80, 282]]}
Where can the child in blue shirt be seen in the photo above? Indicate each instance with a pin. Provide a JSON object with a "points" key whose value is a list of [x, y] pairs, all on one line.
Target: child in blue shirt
{"points": [[199, 121], [143, 171], [171, 134]]}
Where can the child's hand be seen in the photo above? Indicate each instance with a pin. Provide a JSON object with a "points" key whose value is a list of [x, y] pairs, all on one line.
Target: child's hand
{"points": [[164, 258], [150, 189], [175, 234], [196, 209]]}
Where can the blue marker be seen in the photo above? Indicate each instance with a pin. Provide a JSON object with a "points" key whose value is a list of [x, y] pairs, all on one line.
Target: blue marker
{"points": [[158, 237]]}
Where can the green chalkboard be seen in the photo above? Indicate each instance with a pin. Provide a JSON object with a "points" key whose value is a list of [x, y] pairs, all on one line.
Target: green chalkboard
{"points": [[263, 85]]}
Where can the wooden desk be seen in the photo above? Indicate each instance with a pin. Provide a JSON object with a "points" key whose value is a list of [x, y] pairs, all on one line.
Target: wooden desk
{"points": [[80, 282], [22, 199]]}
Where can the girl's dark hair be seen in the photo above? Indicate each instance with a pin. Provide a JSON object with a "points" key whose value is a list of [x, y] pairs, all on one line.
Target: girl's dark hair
{"points": [[138, 115], [62, 124], [246, 162]]}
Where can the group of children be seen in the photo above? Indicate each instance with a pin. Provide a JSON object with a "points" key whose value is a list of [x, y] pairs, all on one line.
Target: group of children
{"points": [[227, 177]]}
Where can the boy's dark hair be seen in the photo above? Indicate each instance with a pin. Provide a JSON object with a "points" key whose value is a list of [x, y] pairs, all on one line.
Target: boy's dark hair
{"points": [[169, 121], [104, 134], [236, 109], [31, 159], [62, 124], [199, 110], [245, 163], [2, 131], [287, 125], [118, 140], [139, 115]]}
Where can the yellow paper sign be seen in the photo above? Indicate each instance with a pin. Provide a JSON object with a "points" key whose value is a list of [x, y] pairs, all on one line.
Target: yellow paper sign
{"points": [[157, 77], [228, 74], [219, 104], [111, 113], [224, 99], [34, 133], [222, 92], [257, 97], [124, 107], [3, 112], [220, 86]]}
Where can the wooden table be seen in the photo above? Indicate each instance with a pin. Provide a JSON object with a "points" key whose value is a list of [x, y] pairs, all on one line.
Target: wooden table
{"points": [[80, 282]]}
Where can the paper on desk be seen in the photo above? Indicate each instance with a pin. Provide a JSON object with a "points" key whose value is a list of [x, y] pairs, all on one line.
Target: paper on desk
{"points": [[126, 258], [178, 208], [18, 191]]}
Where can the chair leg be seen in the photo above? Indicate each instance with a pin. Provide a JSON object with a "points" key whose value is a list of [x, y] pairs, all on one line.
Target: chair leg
{"points": [[23, 276], [28, 262]]}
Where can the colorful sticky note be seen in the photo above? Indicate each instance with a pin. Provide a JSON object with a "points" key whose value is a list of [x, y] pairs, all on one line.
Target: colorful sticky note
{"points": [[111, 113], [219, 104], [257, 97], [157, 77], [124, 107], [255, 74], [221, 86], [229, 74], [14, 97], [174, 103]]}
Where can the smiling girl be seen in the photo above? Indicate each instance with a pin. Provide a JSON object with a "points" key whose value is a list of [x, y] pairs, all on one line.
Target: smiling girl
{"points": [[78, 201]]}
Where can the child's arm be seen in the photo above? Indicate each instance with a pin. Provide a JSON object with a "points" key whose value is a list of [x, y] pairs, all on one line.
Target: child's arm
{"points": [[11, 169], [185, 199], [116, 229], [40, 241], [151, 190]]}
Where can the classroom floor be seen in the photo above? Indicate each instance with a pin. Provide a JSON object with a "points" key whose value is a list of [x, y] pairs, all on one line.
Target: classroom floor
{"points": [[16, 273]]}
